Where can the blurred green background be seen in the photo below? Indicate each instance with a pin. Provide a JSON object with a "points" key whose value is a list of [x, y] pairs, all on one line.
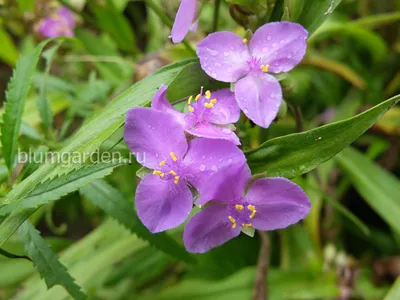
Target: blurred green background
{"points": [[347, 248]]}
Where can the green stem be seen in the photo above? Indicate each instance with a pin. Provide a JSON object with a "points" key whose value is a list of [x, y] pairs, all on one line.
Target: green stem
{"points": [[167, 21], [216, 15]]}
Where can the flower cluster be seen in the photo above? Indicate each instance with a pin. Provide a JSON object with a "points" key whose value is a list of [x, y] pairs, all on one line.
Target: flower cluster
{"points": [[193, 156], [60, 23]]}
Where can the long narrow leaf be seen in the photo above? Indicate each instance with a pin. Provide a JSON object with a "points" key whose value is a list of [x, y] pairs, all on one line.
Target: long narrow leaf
{"points": [[17, 91], [47, 263], [296, 154]]}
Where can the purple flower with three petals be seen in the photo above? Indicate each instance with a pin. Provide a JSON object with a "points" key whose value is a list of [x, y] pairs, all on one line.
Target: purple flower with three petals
{"points": [[185, 20], [209, 115], [274, 48], [163, 198], [269, 204], [62, 23]]}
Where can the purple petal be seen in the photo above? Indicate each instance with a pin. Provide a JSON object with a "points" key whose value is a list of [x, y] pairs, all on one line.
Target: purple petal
{"points": [[184, 19], [161, 103], [67, 15], [230, 186], [208, 229], [278, 202], [259, 97], [152, 135], [225, 110], [207, 157], [214, 132], [281, 45], [224, 56], [161, 204]]}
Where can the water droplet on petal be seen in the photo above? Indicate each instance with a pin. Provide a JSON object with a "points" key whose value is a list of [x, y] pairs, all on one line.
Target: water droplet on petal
{"points": [[289, 56], [268, 37], [213, 52], [214, 168], [203, 157], [230, 161], [202, 167], [245, 110]]}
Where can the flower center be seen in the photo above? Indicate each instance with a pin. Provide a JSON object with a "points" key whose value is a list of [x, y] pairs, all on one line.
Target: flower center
{"points": [[256, 66], [199, 107], [241, 214], [169, 169]]}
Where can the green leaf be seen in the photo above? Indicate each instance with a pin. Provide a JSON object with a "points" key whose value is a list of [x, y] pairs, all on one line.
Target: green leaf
{"points": [[394, 292], [55, 189], [117, 206], [16, 94], [189, 82], [89, 138], [47, 263], [8, 51], [296, 154], [379, 188], [88, 260], [315, 12], [114, 22]]}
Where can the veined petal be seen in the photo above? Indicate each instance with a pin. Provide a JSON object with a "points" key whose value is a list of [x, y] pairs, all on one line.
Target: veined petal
{"points": [[278, 203], [161, 103], [206, 158], [152, 135], [184, 19], [161, 204], [208, 229], [281, 45], [225, 110], [259, 97], [211, 131], [223, 56], [231, 185]]}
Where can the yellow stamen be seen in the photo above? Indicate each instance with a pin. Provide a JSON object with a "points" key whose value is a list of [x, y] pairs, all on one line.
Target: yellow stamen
{"points": [[239, 207], [233, 221], [176, 179], [213, 101], [252, 208], [209, 105], [162, 163], [265, 68], [172, 172], [190, 99], [156, 172], [173, 156], [245, 41], [197, 97], [247, 225], [208, 94], [190, 108]]}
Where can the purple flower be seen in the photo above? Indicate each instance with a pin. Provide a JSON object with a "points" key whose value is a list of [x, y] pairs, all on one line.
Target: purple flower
{"points": [[163, 198], [274, 48], [62, 23], [270, 203], [185, 20], [209, 115]]}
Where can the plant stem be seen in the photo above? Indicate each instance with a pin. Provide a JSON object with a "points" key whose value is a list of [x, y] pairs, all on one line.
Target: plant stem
{"points": [[260, 290], [216, 15]]}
